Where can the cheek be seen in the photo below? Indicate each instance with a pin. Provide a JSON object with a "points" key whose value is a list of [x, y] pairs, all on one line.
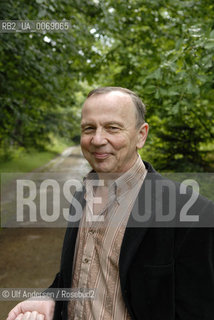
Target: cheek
{"points": [[120, 143], [84, 142]]}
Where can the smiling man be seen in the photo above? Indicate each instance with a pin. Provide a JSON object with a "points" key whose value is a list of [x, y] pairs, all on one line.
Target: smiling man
{"points": [[138, 270], [113, 129]]}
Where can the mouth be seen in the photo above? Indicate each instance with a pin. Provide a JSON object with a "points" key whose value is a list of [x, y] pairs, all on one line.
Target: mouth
{"points": [[101, 155]]}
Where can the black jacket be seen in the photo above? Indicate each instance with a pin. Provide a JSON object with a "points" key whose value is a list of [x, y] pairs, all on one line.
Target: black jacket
{"points": [[166, 270]]}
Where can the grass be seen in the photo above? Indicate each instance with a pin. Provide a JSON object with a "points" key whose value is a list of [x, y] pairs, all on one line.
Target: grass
{"points": [[26, 161]]}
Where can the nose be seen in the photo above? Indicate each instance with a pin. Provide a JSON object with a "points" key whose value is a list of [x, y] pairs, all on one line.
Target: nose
{"points": [[99, 138]]}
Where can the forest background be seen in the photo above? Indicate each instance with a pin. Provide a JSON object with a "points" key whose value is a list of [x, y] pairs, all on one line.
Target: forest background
{"points": [[161, 49]]}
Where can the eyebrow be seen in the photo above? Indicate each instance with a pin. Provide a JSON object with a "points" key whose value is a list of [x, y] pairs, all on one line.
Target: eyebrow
{"points": [[84, 124]]}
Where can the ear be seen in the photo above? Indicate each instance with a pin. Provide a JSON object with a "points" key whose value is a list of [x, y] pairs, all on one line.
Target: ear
{"points": [[142, 135]]}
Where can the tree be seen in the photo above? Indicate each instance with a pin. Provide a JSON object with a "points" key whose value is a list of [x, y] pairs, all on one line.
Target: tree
{"points": [[40, 72], [164, 51]]}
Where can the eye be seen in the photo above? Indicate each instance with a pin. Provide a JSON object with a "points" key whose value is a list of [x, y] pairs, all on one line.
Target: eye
{"points": [[88, 129], [113, 128]]}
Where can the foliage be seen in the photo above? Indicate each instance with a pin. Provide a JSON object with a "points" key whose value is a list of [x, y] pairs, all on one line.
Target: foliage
{"points": [[39, 72], [162, 49]]}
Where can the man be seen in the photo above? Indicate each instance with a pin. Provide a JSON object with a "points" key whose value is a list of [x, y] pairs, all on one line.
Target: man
{"points": [[138, 270]]}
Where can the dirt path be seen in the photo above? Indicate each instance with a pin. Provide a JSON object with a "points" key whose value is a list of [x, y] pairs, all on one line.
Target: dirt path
{"points": [[30, 257]]}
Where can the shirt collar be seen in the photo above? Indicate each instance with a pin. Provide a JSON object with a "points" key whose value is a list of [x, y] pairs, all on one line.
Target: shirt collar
{"points": [[124, 182], [130, 178]]}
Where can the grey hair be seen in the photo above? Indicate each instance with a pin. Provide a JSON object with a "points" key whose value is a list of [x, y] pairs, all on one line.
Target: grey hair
{"points": [[139, 105]]}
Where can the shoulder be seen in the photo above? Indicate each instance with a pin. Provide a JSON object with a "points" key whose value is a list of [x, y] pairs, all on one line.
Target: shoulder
{"points": [[178, 200]]}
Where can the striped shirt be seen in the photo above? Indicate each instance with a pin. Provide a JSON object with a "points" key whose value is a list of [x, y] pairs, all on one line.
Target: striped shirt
{"points": [[98, 246]]}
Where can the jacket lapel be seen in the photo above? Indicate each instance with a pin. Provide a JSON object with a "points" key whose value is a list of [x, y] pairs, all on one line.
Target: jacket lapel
{"points": [[135, 231], [70, 241]]}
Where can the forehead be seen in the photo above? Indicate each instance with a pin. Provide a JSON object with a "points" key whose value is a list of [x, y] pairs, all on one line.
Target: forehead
{"points": [[115, 102]]}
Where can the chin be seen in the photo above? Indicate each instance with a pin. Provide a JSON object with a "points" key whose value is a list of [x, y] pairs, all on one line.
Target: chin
{"points": [[102, 169]]}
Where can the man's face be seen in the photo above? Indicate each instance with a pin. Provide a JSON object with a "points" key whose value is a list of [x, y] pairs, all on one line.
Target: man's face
{"points": [[109, 138]]}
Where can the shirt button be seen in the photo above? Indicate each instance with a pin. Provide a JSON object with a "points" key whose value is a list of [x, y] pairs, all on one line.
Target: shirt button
{"points": [[91, 231], [85, 260]]}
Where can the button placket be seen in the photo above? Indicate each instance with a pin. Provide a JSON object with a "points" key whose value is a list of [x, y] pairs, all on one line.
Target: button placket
{"points": [[85, 265]]}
